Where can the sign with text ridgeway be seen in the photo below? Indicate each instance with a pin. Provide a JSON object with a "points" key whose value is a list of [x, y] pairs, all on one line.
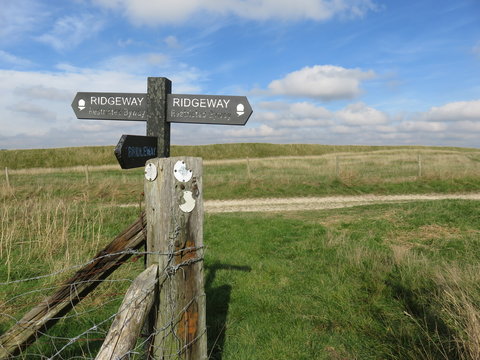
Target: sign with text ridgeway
{"points": [[208, 109], [110, 106]]}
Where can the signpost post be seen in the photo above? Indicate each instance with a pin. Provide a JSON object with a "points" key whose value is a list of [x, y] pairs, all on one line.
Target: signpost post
{"points": [[173, 202]]}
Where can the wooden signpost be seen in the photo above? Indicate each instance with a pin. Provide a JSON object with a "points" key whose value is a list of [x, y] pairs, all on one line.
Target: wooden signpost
{"points": [[173, 203]]}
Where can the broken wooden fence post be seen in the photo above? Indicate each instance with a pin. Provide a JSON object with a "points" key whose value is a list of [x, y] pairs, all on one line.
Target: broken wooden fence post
{"points": [[174, 210], [126, 327]]}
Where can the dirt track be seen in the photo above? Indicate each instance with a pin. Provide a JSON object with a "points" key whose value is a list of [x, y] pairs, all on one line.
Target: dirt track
{"points": [[319, 203]]}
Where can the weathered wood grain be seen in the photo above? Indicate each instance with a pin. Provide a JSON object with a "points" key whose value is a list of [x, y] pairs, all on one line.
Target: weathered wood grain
{"points": [[175, 239], [126, 327]]}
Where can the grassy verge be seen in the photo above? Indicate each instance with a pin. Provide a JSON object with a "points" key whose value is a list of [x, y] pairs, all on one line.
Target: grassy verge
{"points": [[372, 282], [377, 282]]}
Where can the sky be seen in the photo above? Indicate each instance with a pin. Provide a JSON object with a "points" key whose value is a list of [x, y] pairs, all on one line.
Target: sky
{"points": [[343, 72]]}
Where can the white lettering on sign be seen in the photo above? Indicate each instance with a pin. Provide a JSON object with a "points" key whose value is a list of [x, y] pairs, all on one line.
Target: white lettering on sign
{"points": [[201, 102], [117, 100]]}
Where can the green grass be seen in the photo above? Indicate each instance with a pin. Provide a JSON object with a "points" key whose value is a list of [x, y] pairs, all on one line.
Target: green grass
{"points": [[396, 281], [361, 283], [329, 285]]}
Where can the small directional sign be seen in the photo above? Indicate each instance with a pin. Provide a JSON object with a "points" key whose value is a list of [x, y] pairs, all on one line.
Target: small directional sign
{"points": [[110, 106], [133, 150], [208, 109]]}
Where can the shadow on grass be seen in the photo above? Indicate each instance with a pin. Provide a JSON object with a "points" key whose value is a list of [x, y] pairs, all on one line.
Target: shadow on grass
{"points": [[218, 300], [433, 338]]}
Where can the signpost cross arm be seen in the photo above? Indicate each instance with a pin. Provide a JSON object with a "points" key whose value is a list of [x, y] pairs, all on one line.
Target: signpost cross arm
{"points": [[157, 90]]}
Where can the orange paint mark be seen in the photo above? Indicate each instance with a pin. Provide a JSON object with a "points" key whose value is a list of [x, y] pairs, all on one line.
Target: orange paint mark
{"points": [[187, 328]]}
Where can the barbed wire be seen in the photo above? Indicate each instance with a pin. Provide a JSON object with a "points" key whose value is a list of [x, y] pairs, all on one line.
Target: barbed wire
{"points": [[57, 347]]}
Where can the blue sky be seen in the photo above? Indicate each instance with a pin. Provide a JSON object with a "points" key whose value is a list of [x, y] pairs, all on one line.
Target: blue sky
{"points": [[371, 72]]}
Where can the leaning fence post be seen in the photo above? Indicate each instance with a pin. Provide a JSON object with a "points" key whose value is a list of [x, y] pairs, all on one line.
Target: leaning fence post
{"points": [[174, 210], [125, 329]]}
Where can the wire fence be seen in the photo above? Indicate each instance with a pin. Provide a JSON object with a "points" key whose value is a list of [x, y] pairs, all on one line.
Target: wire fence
{"points": [[83, 317]]}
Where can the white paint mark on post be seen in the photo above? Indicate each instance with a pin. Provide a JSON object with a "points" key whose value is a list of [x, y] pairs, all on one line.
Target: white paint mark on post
{"points": [[189, 203], [181, 172], [151, 172]]}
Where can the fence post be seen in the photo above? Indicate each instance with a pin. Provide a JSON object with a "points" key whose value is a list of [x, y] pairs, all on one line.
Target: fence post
{"points": [[337, 167], [174, 210], [419, 160], [6, 177], [87, 178]]}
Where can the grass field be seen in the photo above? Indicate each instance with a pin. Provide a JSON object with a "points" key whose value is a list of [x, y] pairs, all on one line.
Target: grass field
{"points": [[396, 281]]}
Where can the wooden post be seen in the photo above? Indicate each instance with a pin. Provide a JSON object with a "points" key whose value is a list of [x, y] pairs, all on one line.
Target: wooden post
{"points": [[87, 179], [126, 327], [157, 90], [249, 174], [337, 167], [174, 210], [6, 177], [419, 160]]}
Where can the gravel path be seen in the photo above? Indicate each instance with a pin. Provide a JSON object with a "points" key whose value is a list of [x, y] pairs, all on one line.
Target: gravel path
{"points": [[319, 203]]}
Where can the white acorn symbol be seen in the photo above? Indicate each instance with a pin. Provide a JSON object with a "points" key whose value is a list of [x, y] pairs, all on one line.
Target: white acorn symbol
{"points": [[240, 109]]}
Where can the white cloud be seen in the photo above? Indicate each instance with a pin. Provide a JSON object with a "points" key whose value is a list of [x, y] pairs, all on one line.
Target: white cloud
{"points": [[172, 42], [37, 109], [70, 31], [18, 17], [160, 12], [185, 78], [361, 114], [325, 82], [422, 126], [455, 111], [11, 59], [301, 114], [263, 131], [35, 106]]}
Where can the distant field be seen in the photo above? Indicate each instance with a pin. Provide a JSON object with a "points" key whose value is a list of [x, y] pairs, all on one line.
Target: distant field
{"points": [[297, 170], [103, 155], [391, 281]]}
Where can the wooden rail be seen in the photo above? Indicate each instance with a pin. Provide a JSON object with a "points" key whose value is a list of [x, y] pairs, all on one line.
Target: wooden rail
{"points": [[49, 311]]}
